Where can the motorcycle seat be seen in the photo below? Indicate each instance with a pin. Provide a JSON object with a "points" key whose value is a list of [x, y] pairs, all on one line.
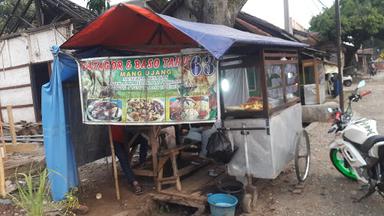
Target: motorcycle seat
{"points": [[370, 142]]}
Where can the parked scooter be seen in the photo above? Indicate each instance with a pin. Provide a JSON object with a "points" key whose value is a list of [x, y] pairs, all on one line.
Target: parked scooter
{"points": [[358, 150]]}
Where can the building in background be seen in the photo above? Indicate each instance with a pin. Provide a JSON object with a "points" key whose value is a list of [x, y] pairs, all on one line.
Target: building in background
{"points": [[25, 55]]}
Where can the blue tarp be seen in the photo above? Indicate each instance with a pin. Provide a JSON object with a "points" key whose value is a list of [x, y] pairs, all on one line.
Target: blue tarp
{"points": [[217, 39], [59, 149], [59, 152]]}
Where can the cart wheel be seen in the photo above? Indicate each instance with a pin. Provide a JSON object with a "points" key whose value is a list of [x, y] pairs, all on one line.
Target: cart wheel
{"points": [[302, 155], [249, 200], [247, 203]]}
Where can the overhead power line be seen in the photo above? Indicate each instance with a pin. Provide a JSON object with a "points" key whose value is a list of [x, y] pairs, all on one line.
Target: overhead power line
{"points": [[322, 4], [317, 6]]}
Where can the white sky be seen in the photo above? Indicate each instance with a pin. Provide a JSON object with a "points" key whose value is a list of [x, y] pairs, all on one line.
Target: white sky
{"points": [[273, 10]]}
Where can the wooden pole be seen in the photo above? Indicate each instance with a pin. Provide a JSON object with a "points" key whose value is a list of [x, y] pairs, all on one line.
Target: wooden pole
{"points": [[11, 125], [1, 113], [154, 147], [2, 134], [2, 155], [340, 72], [3, 193], [117, 188], [2, 148], [317, 80]]}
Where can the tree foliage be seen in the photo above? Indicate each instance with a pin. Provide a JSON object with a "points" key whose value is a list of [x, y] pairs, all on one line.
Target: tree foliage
{"points": [[360, 20], [98, 6], [6, 8]]}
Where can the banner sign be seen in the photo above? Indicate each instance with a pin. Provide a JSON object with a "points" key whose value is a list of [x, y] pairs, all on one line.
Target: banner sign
{"points": [[149, 90]]}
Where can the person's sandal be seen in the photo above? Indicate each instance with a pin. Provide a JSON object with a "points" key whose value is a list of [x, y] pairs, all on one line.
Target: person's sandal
{"points": [[138, 190], [81, 209]]}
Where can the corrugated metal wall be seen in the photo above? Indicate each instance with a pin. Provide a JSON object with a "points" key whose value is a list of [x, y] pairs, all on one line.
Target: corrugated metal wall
{"points": [[90, 141]]}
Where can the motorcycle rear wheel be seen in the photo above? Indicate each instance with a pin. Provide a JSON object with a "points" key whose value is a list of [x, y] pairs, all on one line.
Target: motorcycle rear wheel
{"points": [[341, 165]]}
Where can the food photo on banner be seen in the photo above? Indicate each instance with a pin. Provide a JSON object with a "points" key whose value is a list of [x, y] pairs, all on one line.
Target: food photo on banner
{"points": [[149, 90]]}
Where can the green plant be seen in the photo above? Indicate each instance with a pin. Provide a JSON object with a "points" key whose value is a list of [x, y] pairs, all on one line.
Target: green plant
{"points": [[33, 194], [71, 202], [98, 6]]}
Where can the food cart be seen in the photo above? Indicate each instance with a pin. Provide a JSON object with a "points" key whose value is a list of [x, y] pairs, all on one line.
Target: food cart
{"points": [[184, 73], [267, 101], [261, 110]]}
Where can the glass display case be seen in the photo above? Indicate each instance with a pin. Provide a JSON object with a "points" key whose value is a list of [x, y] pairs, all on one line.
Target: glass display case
{"points": [[282, 78], [259, 85], [292, 82], [241, 86]]}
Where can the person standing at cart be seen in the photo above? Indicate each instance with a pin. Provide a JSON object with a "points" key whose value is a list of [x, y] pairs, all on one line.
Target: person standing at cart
{"points": [[119, 137]]}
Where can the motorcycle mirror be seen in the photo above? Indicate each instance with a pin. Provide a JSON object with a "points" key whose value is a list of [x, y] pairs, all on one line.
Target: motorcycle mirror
{"points": [[330, 110], [361, 84]]}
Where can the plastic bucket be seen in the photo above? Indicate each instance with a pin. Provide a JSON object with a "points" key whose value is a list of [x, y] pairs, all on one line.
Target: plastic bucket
{"points": [[232, 187], [222, 204]]}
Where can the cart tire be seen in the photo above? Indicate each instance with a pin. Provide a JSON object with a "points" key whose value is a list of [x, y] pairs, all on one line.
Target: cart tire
{"points": [[302, 154], [250, 198], [255, 196]]}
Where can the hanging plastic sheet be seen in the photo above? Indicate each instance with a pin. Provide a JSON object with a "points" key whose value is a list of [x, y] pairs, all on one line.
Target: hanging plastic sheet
{"points": [[268, 153], [59, 152]]}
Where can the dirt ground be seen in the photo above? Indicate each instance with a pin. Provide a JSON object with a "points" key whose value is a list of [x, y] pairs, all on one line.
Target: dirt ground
{"points": [[326, 192]]}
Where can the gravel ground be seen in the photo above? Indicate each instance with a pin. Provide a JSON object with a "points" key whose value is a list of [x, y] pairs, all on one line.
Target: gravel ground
{"points": [[326, 192]]}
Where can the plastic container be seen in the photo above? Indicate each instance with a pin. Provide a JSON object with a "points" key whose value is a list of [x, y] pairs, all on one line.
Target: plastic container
{"points": [[232, 187], [222, 204]]}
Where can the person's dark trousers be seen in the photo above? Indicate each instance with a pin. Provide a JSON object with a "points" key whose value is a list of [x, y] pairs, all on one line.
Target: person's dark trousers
{"points": [[124, 162], [123, 156], [143, 148]]}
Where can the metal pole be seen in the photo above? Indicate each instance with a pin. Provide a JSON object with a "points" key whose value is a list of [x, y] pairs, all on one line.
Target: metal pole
{"points": [[287, 24], [340, 72]]}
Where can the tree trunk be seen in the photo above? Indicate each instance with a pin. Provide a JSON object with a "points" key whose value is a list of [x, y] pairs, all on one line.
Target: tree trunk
{"points": [[350, 55], [350, 62], [211, 11]]}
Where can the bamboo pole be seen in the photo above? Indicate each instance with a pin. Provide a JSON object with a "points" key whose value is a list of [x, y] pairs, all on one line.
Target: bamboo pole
{"points": [[117, 188], [11, 125], [3, 193], [2, 156], [1, 114], [154, 147], [2, 137]]}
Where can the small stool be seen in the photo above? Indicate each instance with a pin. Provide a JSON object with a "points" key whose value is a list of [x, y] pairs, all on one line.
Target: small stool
{"points": [[169, 153], [164, 156]]}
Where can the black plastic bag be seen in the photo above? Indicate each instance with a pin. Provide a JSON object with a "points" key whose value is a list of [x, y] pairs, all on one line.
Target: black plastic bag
{"points": [[219, 148]]}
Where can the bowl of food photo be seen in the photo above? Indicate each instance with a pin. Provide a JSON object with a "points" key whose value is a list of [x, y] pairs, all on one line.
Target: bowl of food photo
{"points": [[143, 110], [104, 110]]}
